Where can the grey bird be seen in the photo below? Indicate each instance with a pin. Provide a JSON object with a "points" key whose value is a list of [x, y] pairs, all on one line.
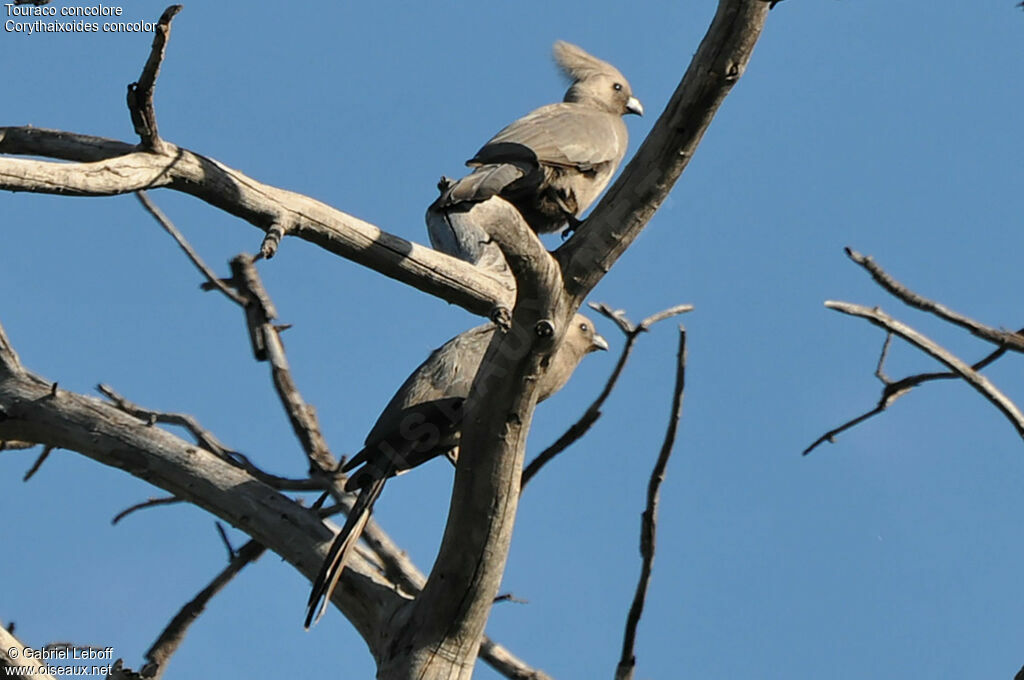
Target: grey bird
{"points": [[424, 420], [551, 164]]}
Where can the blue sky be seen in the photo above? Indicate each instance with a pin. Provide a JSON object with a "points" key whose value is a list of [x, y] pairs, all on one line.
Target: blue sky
{"points": [[893, 128]]}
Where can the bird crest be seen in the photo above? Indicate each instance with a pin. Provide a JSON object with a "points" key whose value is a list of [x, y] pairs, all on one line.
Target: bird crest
{"points": [[578, 64]]}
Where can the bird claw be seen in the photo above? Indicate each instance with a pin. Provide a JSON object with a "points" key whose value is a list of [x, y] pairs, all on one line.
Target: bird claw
{"points": [[502, 318], [573, 226]]}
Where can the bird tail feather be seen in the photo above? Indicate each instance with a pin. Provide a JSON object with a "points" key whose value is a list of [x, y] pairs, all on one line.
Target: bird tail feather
{"points": [[484, 182], [327, 580]]}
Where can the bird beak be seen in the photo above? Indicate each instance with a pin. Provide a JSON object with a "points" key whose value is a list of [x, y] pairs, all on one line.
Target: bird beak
{"points": [[633, 105], [599, 343]]}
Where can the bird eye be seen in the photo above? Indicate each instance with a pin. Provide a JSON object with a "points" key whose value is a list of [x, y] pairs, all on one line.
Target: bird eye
{"points": [[617, 87], [583, 327]]}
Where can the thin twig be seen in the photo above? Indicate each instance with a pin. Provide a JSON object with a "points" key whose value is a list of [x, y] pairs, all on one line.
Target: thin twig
{"points": [[883, 355], [38, 464], [140, 93], [210, 442], [665, 314], [272, 240], [173, 635], [203, 437], [1002, 338], [152, 502], [226, 541], [260, 315], [169, 227], [649, 521], [246, 289], [593, 412], [502, 661], [894, 389], [979, 382]]}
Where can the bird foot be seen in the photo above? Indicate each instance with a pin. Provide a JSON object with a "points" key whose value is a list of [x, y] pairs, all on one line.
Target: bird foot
{"points": [[502, 317], [445, 183], [573, 225]]}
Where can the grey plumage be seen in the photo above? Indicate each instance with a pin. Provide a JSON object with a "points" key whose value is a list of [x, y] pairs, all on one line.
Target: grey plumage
{"points": [[551, 164], [423, 420], [461, 232]]}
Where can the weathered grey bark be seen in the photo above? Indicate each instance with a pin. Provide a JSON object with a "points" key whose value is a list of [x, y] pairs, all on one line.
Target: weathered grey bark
{"points": [[632, 200], [105, 167], [436, 634], [12, 655], [441, 631], [440, 637], [34, 409]]}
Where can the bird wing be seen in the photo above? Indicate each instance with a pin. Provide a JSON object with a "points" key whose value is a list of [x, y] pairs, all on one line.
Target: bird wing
{"points": [[447, 372], [566, 134], [423, 430]]}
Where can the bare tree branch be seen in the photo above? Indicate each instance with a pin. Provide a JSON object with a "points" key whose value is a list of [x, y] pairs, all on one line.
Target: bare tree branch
{"points": [[1007, 339], [444, 626], [272, 240], [391, 559], [499, 658], [223, 534], [259, 316], [611, 228], [649, 522], [979, 382], [112, 437], [203, 437], [140, 93], [169, 227], [593, 412], [260, 313], [174, 634], [108, 167], [9, 361], [440, 631], [630, 203], [510, 597], [210, 442], [12, 655], [38, 464], [394, 563], [149, 503], [894, 389]]}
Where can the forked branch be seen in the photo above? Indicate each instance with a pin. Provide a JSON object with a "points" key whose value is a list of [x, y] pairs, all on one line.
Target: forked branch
{"points": [[961, 369], [140, 93], [580, 427], [894, 389], [649, 520]]}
